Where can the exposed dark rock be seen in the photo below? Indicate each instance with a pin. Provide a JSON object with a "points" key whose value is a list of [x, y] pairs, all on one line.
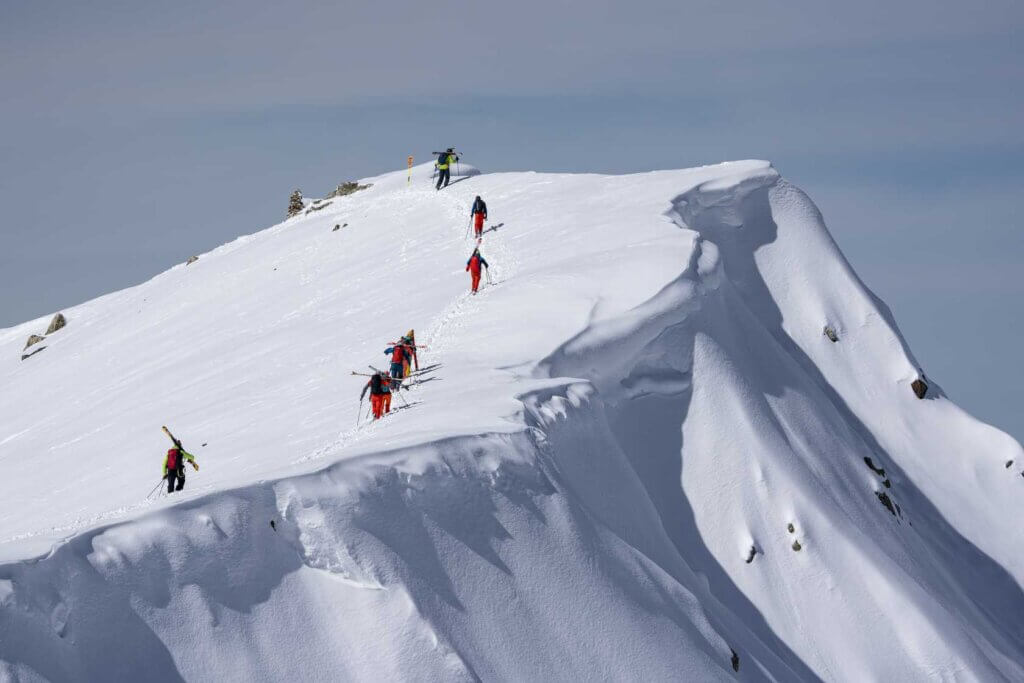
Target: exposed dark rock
{"points": [[295, 204], [57, 323], [797, 546], [735, 660], [317, 207], [831, 333], [32, 353], [880, 471], [920, 387], [191, 260], [887, 484], [339, 227], [273, 525], [346, 189], [751, 554], [885, 500], [1008, 463], [790, 528], [33, 339]]}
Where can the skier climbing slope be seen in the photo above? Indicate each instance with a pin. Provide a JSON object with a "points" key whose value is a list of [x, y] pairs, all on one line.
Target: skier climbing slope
{"points": [[473, 265]]}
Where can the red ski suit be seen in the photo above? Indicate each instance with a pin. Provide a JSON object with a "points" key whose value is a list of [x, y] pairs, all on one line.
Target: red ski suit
{"points": [[473, 266], [380, 402]]}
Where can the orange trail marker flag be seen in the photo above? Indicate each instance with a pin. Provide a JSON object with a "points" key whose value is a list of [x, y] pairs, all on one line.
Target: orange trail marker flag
{"points": [[409, 179]]}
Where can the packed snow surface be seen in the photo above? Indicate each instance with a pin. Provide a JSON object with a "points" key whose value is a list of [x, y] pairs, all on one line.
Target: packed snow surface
{"points": [[639, 459]]}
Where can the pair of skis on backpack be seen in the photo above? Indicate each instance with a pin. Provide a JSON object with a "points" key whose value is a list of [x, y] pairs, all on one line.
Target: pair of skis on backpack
{"points": [[177, 444], [412, 375]]}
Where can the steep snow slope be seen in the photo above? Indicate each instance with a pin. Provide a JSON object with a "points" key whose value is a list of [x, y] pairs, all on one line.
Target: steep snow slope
{"points": [[642, 397]]}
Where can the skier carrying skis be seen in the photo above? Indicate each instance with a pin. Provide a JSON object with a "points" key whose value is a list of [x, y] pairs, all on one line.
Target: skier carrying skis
{"points": [[376, 386], [444, 161], [409, 341], [479, 213], [174, 466], [473, 266], [399, 356]]}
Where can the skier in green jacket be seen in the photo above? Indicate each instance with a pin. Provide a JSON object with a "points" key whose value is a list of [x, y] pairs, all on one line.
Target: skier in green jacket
{"points": [[444, 161], [174, 466]]}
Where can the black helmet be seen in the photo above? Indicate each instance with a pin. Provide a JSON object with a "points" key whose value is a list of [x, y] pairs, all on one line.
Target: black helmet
{"points": [[451, 149]]}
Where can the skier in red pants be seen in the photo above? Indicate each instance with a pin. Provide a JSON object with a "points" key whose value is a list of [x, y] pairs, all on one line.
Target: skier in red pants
{"points": [[376, 386], [479, 213], [473, 266], [385, 398]]}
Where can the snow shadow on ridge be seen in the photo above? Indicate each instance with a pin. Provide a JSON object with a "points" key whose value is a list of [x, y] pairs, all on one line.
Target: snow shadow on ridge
{"points": [[652, 348], [984, 589], [644, 429]]}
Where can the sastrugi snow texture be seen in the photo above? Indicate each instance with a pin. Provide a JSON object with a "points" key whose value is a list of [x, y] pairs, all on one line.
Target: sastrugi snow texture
{"points": [[640, 459]]}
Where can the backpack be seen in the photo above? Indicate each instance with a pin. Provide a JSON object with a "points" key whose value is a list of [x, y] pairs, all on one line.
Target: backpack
{"points": [[173, 459], [375, 385]]}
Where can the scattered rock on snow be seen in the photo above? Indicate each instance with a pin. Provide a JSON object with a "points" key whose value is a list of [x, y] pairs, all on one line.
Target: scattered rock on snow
{"points": [[57, 323], [316, 207], [33, 339], [880, 471], [920, 387], [797, 546], [790, 528], [295, 203], [273, 525], [347, 189], [1008, 463], [191, 260], [831, 333], [33, 352], [339, 227], [750, 556], [735, 660], [885, 500]]}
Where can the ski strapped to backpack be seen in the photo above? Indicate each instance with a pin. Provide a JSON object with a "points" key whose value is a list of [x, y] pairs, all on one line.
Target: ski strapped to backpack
{"points": [[177, 445]]}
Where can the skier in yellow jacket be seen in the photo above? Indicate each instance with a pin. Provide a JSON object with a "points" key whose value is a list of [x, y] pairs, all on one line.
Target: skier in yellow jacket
{"points": [[444, 161], [174, 466]]}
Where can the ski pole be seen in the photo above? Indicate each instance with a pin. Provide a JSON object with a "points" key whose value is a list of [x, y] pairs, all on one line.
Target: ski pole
{"points": [[488, 271], [469, 225], [359, 412], [155, 487], [404, 402]]}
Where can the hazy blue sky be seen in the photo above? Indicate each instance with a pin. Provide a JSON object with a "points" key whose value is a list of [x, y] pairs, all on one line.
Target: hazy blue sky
{"points": [[134, 134]]}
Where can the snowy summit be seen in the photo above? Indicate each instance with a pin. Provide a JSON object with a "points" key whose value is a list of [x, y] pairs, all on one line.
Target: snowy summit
{"points": [[673, 437]]}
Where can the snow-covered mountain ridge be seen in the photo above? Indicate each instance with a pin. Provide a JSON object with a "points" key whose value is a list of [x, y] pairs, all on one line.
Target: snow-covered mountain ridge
{"points": [[640, 460]]}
